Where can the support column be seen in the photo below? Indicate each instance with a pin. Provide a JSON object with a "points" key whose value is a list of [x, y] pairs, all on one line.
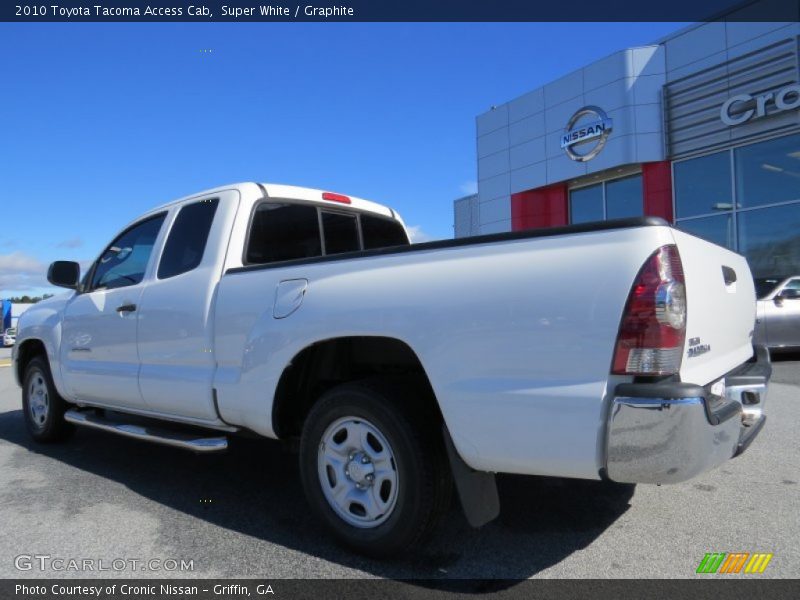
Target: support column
{"points": [[657, 186]]}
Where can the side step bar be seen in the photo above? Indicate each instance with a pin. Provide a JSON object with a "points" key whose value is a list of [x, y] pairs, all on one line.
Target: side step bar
{"points": [[178, 439]]}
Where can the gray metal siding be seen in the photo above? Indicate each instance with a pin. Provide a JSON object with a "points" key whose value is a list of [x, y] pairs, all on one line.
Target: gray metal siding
{"points": [[466, 218], [693, 103]]}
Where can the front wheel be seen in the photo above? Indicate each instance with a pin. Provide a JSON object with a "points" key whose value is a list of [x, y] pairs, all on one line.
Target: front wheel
{"points": [[374, 467], [42, 406]]}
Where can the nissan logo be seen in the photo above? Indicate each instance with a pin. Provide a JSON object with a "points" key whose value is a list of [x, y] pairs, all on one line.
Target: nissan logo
{"points": [[731, 113], [588, 124]]}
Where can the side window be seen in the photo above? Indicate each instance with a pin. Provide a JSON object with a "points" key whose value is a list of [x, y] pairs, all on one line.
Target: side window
{"points": [[283, 232], [380, 233], [341, 232], [187, 239], [124, 262]]}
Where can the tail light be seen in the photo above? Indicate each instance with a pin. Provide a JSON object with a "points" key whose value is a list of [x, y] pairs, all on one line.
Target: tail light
{"points": [[653, 328]]}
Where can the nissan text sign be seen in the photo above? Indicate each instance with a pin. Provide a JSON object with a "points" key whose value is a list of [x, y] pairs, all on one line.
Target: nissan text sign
{"points": [[580, 131]]}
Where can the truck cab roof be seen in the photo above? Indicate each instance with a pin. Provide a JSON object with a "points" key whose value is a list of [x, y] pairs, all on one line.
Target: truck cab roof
{"points": [[295, 193], [291, 192]]}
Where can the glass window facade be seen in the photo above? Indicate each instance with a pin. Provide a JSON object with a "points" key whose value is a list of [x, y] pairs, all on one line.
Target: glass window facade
{"points": [[769, 172], [624, 198], [770, 239], [717, 229], [614, 199], [703, 185], [747, 199], [586, 204]]}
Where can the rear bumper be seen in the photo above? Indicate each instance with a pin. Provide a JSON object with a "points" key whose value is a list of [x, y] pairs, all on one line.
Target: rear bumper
{"points": [[671, 432]]}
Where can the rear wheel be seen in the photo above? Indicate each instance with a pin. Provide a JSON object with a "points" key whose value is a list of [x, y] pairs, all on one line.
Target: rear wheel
{"points": [[374, 467], [42, 406]]}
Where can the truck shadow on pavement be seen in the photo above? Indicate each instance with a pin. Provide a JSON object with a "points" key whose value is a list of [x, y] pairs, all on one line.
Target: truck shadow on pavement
{"points": [[254, 490]]}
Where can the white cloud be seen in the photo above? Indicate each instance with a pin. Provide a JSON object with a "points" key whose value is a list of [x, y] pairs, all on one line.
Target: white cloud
{"points": [[21, 272], [469, 187], [417, 235], [19, 262], [75, 242]]}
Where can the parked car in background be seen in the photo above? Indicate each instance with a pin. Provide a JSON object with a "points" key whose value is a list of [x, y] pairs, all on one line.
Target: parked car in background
{"points": [[778, 313], [9, 336]]}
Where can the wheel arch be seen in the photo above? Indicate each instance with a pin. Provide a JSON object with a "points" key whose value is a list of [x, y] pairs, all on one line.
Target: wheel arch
{"points": [[325, 364], [27, 351]]}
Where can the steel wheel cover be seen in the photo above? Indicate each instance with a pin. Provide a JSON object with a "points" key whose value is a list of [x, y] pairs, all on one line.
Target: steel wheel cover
{"points": [[358, 472], [38, 398]]}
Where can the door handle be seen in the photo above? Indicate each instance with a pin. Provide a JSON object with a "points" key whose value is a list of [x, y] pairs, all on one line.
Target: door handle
{"points": [[126, 308]]}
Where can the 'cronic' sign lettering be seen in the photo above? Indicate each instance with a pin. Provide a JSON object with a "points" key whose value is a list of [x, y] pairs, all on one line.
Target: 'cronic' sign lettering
{"points": [[743, 107]]}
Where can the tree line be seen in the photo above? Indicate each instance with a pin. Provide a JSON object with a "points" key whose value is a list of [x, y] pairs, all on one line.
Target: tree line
{"points": [[29, 299]]}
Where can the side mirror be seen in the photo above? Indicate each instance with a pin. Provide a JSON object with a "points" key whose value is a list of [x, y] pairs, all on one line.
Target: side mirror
{"points": [[64, 273]]}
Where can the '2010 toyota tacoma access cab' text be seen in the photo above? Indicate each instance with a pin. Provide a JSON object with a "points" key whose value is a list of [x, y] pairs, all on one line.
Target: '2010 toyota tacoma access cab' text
{"points": [[619, 350]]}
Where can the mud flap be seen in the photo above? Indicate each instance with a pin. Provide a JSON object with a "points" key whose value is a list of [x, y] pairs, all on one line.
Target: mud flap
{"points": [[476, 489]]}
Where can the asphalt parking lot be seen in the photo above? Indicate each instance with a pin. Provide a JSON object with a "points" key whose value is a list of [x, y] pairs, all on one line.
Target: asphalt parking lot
{"points": [[242, 514]]}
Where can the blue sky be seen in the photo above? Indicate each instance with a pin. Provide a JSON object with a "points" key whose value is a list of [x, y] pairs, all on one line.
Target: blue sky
{"points": [[101, 122]]}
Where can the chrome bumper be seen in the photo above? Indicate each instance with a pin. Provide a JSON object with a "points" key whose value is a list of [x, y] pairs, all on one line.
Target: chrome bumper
{"points": [[670, 432]]}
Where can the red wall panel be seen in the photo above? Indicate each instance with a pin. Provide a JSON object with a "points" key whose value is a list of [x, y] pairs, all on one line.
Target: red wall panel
{"points": [[657, 186], [542, 207], [548, 206]]}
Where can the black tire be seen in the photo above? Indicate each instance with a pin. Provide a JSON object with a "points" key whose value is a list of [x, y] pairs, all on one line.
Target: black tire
{"points": [[408, 421], [48, 426]]}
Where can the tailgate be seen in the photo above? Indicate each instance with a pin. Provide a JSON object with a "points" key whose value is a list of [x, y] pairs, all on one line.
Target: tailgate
{"points": [[721, 309]]}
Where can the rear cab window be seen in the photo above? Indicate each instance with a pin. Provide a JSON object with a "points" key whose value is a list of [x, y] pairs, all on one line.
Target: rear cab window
{"points": [[281, 231], [380, 232], [340, 232]]}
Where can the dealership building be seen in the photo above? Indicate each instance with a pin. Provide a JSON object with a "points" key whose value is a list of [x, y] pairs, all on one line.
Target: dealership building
{"points": [[701, 128]]}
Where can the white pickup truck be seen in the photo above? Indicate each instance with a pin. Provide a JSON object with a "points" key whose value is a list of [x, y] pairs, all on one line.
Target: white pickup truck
{"points": [[619, 350]]}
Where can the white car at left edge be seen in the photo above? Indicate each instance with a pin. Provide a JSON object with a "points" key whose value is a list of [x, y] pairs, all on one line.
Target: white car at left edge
{"points": [[9, 337]]}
